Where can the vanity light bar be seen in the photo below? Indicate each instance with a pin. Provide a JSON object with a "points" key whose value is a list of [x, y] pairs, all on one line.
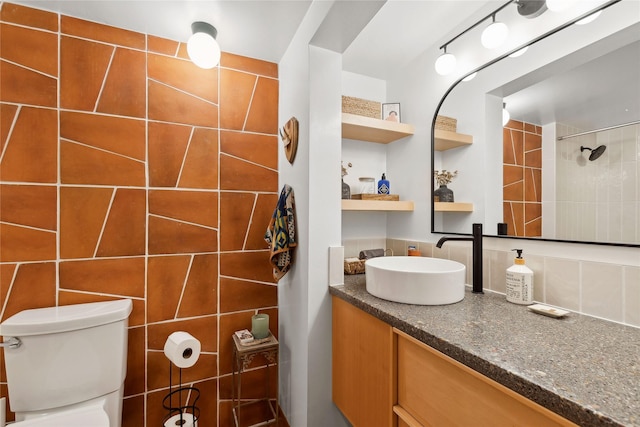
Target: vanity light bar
{"points": [[491, 15], [493, 35]]}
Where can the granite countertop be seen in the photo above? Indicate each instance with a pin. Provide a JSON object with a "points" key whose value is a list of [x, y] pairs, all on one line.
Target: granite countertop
{"points": [[583, 368]]}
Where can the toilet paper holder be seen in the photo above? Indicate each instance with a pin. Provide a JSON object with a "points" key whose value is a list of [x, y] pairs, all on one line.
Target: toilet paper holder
{"points": [[182, 350], [178, 414]]}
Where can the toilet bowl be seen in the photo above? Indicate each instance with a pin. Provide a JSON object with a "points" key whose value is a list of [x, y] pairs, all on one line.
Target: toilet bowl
{"points": [[93, 416]]}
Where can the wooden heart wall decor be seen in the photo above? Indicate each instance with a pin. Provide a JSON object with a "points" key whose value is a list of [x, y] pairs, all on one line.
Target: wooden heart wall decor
{"points": [[289, 135]]}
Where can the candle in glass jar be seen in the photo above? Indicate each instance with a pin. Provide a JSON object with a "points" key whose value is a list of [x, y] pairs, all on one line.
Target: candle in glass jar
{"points": [[260, 326], [367, 185]]}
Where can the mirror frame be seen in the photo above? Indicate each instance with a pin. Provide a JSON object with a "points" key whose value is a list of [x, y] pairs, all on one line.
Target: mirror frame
{"points": [[488, 64]]}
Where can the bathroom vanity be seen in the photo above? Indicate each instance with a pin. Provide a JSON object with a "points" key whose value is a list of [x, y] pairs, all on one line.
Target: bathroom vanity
{"points": [[480, 362]]}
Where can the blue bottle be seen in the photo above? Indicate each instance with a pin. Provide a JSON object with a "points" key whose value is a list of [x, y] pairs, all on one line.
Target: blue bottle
{"points": [[383, 185]]}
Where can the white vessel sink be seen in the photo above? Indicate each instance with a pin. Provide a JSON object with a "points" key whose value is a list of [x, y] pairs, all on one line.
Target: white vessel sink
{"points": [[415, 279]]}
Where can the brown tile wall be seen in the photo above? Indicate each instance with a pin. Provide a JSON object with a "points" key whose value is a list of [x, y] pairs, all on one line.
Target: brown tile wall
{"points": [[126, 171], [522, 178]]}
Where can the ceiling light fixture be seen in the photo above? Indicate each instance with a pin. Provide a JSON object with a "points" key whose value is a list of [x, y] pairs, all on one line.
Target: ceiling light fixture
{"points": [[505, 114], [494, 35], [446, 63], [202, 47]]}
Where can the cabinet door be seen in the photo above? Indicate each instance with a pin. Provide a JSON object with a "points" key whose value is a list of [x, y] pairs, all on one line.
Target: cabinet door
{"points": [[363, 361], [439, 391]]}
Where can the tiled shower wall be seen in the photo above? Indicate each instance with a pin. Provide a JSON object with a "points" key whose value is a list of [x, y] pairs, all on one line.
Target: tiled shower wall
{"points": [[126, 171], [598, 200], [608, 291], [522, 177]]}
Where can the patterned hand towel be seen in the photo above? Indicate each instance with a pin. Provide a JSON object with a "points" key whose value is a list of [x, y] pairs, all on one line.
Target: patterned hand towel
{"points": [[281, 233]]}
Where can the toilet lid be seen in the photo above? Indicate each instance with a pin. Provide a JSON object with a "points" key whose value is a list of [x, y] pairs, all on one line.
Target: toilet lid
{"points": [[86, 417]]}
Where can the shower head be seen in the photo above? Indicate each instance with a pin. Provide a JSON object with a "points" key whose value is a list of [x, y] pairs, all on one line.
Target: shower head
{"points": [[595, 152]]}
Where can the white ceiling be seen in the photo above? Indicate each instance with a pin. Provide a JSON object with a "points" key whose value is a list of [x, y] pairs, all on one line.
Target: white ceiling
{"points": [[375, 36], [262, 29], [600, 93], [254, 28]]}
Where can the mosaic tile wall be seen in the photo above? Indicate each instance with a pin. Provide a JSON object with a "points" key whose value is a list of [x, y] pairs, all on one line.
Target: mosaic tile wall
{"points": [[522, 175], [126, 171]]}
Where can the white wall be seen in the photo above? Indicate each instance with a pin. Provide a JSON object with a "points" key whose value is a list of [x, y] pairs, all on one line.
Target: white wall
{"points": [[304, 312], [324, 217]]}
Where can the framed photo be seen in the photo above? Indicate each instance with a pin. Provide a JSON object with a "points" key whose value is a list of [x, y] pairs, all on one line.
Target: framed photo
{"points": [[391, 112]]}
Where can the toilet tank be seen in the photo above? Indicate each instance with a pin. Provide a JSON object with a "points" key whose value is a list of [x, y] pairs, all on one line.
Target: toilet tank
{"points": [[69, 354]]}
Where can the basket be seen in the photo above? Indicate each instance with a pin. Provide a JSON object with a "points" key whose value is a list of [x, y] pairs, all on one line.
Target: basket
{"points": [[446, 123], [361, 107], [354, 266]]}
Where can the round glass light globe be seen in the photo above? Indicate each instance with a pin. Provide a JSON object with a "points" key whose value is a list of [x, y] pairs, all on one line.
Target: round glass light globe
{"points": [[203, 50], [589, 18], [559, 5], [505, 116], [494, 35], [470, 77], [519, 52], [445, 64]]}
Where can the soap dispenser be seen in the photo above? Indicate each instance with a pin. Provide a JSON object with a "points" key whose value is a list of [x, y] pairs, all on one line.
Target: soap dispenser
{"points": [[519, 281], [383, 185]]}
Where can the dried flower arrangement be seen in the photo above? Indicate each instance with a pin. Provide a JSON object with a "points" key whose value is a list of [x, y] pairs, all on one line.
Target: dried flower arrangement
{"points": [[344, 170], [445, 177]]}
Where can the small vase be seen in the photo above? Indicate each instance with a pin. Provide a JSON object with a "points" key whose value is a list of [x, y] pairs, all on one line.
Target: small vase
{"points": [[346, 190], [443, 194]]}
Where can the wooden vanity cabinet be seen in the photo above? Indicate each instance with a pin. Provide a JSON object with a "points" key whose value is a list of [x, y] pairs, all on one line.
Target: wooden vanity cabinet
{"points": [[436, 390], [363, 366], [385, 378]]}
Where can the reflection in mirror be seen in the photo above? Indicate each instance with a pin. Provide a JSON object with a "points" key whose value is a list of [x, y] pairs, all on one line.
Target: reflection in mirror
{"points": [[566, 166]]}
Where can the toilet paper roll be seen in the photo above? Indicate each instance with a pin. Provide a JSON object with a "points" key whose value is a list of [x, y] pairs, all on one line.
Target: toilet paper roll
{"points": [[188, 420], [182, 349]]}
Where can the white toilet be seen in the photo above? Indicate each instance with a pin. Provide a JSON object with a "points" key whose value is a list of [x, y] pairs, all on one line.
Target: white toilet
{"points": [[69, 367]]}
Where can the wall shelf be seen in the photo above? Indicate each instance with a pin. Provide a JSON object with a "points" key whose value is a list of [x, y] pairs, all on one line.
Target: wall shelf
{"points": [[374, 130], [446, 140], [452, 207], [377, 205]]}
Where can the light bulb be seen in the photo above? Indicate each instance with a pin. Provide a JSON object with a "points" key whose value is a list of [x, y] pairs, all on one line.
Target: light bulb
{"points": [[445, 64], [505, 116], [470, 77], [559, 5], [589, 18], [494, 35], [202, 47]]}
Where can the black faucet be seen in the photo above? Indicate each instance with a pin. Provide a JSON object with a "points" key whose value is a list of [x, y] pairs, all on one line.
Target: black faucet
{"points": [[476, 238]]}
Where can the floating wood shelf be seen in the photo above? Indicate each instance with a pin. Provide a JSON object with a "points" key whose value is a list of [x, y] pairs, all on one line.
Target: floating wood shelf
{"points": [[446, 140], [377, 205], [452, 207], [374, 130]]}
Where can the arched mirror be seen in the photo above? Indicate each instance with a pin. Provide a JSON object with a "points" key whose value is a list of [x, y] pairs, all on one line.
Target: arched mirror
{"points": [[566, 165]]}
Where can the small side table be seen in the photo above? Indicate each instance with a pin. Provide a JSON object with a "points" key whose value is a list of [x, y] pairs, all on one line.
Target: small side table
{"points": [[242, 357]]}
